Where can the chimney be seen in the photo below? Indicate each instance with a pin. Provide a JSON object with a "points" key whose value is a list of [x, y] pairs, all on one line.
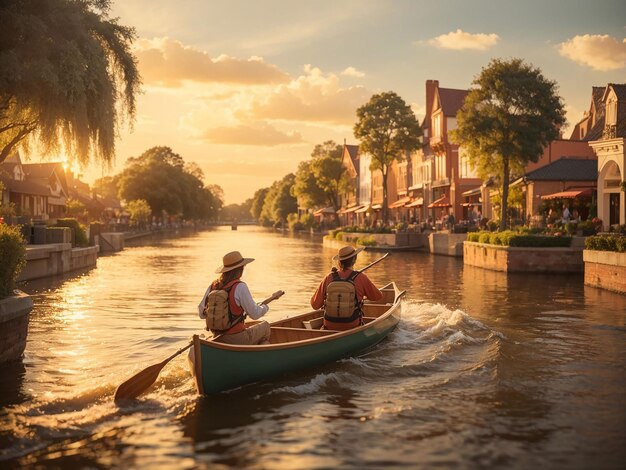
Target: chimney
{"points": [[431, 88]]}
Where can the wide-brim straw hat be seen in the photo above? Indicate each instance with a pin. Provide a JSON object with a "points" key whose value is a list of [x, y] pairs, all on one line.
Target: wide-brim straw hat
{"points": [[233, 260], [347, 252]]}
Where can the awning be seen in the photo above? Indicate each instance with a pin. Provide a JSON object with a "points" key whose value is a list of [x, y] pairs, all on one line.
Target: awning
{"points": [[570, 194], [377, 207], [350, 209], [400, 202], [470, 204], [362, 209], [325, 210], [441, 202], [472, 192], [416, 203]]}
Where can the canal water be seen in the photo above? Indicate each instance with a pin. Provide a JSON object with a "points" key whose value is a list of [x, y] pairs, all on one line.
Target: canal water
{"points": [[484, 370]]}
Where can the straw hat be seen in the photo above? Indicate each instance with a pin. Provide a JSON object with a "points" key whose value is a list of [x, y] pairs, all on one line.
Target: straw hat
{"points": [[347, 252], [233, 260]]}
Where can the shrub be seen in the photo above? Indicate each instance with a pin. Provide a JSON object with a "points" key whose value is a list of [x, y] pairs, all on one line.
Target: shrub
{"points": [[293, 222], [307, 221], [339, 236], [606, 243], [366, 241], [512, 238], [12, 257], [79, 236], [484, 237], [473, 237]]}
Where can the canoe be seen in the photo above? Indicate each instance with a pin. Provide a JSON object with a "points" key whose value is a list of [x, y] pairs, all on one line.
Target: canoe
{"points": [[296, 343]]}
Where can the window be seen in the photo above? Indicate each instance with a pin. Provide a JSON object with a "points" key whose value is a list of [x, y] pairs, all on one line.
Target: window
{"points": [[437, 125], [611, 112]]}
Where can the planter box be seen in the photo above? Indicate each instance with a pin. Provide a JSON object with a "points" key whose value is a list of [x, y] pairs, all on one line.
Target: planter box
{"points": [[519, 259], [14, 313], [606, 270]]}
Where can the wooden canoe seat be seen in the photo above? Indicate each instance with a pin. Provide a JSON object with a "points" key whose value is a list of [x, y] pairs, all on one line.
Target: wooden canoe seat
{"points": [[375, 310], [314, 324]]}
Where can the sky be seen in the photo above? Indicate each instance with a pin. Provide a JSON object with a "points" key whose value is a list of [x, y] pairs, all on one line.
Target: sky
{"points": [[246, 89]]}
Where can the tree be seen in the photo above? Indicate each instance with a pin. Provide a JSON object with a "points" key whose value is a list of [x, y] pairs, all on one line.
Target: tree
{"points": [[321, 180], [258, 200], [279, 202], [507, 120], [107, 186], [75, 208], [387, 130], [67, 70], [159, 177], [139, 211]]}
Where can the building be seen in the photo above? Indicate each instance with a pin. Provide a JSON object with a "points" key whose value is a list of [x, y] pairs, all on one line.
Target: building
{"points": [[605, 126], [29, 198], [349, 200], [52, 176]]}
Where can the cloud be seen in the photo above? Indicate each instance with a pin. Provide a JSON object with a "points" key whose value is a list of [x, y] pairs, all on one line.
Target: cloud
{"points": [[312, 97], [167, 62], [460, 40], [258, 134], [352, 72], [600, 52]]}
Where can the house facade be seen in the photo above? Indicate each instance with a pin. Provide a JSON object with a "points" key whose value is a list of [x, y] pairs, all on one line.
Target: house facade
{"points": [[29, 198], [607, 140]]}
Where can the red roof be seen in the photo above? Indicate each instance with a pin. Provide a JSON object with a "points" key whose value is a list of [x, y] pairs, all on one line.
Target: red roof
{"points": [[451, 100]]}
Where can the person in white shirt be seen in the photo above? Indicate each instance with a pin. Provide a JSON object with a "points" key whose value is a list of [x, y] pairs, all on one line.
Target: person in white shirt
{"points": [[566, 214], [241, 303]]}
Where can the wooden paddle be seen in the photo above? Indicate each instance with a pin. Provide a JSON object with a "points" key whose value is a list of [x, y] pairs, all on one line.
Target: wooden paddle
{"points": [[141, 381], [374, 262]]}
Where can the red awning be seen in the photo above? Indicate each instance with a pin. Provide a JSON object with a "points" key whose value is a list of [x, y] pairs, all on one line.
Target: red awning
{"points": [[400, 203], [570, 194], [416, 203], [441, 202]]}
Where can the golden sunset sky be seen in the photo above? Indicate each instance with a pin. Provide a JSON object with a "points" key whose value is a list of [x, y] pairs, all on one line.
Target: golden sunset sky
{"points": [[247, 88]]}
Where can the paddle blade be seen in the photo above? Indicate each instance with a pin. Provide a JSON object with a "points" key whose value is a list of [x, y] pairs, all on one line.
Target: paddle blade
{"points": [[138, 383]]}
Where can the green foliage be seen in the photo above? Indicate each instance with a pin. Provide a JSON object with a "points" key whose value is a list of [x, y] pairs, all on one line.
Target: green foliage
{"points": [[507, 119], [258, 200], [606, 243], [159, 177], [322, 180], [237, 211], [67, 71], [517, 239], [367, 241], [279, 201], [107, 186], [139, 211], [293, 222], [12, 257], [388, 130], [365, 229], [75, 208], [307, 221], [78, 230]]}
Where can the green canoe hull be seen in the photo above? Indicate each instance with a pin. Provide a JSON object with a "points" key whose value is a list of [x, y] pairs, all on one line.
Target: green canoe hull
{"points": [[223, 367]]}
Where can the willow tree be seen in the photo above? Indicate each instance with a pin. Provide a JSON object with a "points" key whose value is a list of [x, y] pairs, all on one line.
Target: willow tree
{"points": [[387, 129], [67, 79], [508, 118]]}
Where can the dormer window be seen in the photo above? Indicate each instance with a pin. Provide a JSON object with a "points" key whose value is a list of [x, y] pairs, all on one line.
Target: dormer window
{"points": [[611, 111]]}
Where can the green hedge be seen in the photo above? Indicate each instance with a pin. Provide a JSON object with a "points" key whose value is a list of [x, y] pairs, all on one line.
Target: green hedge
{"points": [[12, 257], [606, 243], [511, 238], [80, 235]]}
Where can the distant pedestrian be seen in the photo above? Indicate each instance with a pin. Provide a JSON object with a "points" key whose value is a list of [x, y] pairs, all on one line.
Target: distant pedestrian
{"points": [[566, 214]]}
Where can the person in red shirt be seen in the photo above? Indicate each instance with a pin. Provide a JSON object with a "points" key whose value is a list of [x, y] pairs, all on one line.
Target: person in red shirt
{"points": [[346, 257]]}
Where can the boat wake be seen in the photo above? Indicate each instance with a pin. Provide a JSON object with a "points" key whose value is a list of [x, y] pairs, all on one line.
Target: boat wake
{"points": [[431, 339]]}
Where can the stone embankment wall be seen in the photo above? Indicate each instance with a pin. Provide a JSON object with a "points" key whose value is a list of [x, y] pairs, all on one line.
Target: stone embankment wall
{"points": [[606, 270], [55, 259], [407, 241], [449, 244], [514, 259], [14, 313]]}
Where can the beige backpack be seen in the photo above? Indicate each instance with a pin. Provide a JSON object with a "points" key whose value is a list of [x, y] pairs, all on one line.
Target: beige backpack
{"points": [[217, 309], [341, 304]]}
